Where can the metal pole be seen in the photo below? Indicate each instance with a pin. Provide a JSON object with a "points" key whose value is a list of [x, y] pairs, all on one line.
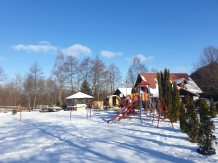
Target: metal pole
{"points": [[140, 103], [87, 107], [126, 87], [90, 105]]}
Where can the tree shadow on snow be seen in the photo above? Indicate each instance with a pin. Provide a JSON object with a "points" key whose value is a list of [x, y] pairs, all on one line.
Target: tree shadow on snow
{"points": [[31, 132]]}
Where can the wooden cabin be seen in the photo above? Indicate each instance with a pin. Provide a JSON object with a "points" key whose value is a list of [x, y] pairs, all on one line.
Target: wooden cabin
{"points": [[112, 101]]}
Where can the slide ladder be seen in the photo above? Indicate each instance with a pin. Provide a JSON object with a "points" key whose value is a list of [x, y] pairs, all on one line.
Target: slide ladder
{"points": [[160, 111], [128, 110]]}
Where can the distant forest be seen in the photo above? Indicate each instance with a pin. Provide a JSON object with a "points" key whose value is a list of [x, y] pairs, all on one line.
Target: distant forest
{"points": [[68, 76]]}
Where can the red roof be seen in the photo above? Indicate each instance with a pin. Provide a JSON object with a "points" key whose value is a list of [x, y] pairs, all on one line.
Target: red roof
{"points": [[151, 78]]}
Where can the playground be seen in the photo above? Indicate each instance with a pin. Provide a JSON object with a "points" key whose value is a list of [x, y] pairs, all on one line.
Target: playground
{"points": [[145, 104], [54, 137]]}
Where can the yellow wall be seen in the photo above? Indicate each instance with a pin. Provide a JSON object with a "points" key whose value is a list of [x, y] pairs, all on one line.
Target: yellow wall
{"points": [[145, 96], [110, 101], [98, 105]]}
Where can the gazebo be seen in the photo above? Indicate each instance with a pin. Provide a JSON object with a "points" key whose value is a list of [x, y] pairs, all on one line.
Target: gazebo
{"points": [[78, 101]]}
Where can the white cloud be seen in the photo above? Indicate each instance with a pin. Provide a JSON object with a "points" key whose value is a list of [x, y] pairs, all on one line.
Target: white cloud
{"points": [[110, 54], [76, 50], [141, 57], [43, 46]]}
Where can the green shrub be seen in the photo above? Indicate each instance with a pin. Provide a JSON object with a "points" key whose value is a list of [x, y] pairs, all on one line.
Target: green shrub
{"points": [[206, 139], [14, 111]]}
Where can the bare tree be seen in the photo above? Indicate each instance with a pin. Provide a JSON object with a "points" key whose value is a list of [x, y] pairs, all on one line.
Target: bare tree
{"points": [[3, 76], [85, 69], [28, 89], [115, 77], [136, 68], [99, 78], [14, 87], [206, 71], [208, 57], [70, 69], [50, 91], [35, 75], [6, 94], [41, 95], [14, 99], [59, 74], [154, 70], [18, 88], [1, 94]]}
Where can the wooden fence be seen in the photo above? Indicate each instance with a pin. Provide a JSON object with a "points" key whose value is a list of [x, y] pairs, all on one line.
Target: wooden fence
{"points": [[6, 109]]}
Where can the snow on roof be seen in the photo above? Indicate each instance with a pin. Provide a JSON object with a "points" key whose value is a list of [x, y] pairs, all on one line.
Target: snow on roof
{"points": [[180, 80], [143, 78], [192, 86], [151, 78], [125, 91], [79, 95]]}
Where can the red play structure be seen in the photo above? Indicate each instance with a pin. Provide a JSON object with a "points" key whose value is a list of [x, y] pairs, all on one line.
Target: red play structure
{"points": [[128, 109], [156, 106]]}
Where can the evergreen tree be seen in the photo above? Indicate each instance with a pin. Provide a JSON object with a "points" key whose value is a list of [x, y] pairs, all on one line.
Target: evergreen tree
{"points": [[212, 109], [175, 103], [167, 90], [182, 118], [134, 90], [206, 138], [159, 80], [192, 121], [85, 87]]}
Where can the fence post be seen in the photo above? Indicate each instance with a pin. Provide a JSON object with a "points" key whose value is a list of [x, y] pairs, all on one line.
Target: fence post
{"points": [[20, 110]]}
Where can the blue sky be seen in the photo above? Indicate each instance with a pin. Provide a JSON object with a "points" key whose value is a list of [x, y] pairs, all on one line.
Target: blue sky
{"points": [[164, 33]]}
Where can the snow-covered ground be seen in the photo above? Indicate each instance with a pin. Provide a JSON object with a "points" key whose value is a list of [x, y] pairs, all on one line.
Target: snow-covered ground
{"points": [[54, 137]]}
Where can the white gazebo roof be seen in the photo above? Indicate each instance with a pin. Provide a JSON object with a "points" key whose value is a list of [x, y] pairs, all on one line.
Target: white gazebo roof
{"points": [[79, 95]]}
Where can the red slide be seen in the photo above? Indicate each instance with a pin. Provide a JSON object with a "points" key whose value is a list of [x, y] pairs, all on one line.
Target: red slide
{"points": [[128, 109]]}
